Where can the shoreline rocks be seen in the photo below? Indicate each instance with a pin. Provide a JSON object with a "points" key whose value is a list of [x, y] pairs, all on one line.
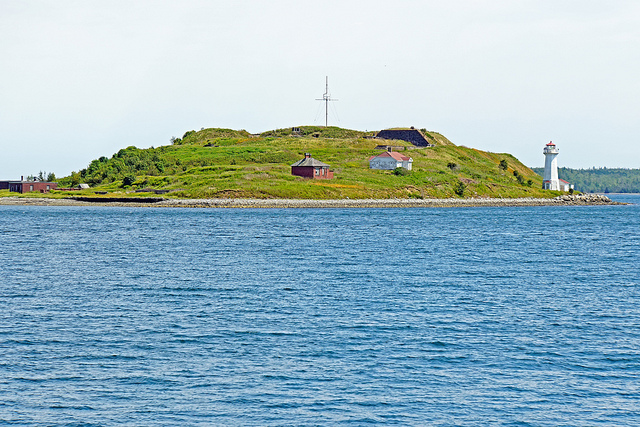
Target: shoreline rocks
{"points": [[387, 203], [564, 200], [589, 199]]}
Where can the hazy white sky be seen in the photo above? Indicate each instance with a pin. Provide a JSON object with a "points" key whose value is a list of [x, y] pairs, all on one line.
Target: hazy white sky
{"points": [[83, 78]]}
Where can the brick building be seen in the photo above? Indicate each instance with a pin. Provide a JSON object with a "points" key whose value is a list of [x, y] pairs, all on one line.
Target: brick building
{"points": [[28, 186], [311, 168]]}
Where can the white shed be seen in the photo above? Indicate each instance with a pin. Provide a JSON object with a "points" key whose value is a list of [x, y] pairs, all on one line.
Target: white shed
{"points": [[389, 160], [565, 185]]}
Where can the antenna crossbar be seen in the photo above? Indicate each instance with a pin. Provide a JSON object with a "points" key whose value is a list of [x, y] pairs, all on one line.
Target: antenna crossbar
{"points": [[326, 97]]}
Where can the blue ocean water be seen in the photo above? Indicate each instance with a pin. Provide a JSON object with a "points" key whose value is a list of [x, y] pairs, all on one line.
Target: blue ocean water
{"points": [[463, 316]]}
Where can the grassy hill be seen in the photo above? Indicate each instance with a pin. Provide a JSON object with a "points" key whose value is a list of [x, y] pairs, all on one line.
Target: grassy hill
{"points": [[225, 163]]}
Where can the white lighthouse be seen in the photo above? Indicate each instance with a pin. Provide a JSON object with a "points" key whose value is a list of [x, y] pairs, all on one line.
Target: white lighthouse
{"points": [[550, 179]]}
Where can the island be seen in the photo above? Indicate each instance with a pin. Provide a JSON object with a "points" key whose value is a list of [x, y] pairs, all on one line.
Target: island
{"points": [[221, 167]]}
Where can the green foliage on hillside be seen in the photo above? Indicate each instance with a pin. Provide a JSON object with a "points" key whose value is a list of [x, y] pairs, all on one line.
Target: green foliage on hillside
{"points": [[208, 135], [318, 132], [601, 180], [228, 163]]}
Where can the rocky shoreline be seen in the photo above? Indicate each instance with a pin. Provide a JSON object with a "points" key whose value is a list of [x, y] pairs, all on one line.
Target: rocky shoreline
{"points": [[565, 200]]}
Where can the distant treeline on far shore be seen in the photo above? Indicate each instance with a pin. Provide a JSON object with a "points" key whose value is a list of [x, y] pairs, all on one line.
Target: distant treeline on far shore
{"points": [[600, 180]]}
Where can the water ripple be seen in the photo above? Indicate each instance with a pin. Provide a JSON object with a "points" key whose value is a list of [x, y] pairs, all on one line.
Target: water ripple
{"points": [[483, 316]]}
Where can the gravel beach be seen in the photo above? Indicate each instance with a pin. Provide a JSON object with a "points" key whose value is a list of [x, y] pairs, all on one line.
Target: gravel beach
{"points": [[586, 199]]}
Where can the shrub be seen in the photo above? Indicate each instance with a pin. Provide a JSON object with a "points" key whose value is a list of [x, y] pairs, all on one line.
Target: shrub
{"points": [[451, 165], [459, 188], [427, 134], [401, 171], [128, 180], [503, 164]]}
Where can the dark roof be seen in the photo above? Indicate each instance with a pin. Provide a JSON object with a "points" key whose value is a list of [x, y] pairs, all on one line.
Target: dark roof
{"points": [[310, 161], [27, 182]]}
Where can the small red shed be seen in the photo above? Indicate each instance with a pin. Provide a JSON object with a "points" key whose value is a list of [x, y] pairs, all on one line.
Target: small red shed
{"points": [[311, 168]]}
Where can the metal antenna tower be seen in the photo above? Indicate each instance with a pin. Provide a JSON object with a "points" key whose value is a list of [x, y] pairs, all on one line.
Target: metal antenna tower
{"points": [[326, 98]]}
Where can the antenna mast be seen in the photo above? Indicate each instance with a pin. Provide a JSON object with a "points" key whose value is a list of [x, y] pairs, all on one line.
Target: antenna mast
{"points": [[326, 98]]}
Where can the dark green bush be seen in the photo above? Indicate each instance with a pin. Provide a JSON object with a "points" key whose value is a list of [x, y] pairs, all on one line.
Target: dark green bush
{"points": [[128, 180], [401, 171]]}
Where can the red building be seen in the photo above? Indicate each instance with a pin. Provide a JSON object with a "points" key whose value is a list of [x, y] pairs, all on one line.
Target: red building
{"points": [[311, 168], [29, 186]]}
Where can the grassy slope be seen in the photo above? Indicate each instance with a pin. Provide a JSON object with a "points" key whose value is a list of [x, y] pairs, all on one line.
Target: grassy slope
{"points": [[228, 163]]}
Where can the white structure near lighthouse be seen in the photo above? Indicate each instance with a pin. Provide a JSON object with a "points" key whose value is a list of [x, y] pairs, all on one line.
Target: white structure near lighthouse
{"points": [[550, 178]]}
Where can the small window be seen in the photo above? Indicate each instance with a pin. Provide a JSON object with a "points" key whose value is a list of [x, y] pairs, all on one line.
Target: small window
{"points": [[31, 188]]}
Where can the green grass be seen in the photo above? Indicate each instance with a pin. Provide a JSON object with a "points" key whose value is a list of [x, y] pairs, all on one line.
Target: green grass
{"points": [[235, 164]]}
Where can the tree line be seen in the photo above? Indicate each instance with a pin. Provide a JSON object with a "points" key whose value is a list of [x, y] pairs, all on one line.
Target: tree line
{"points": [[600, 180]]}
